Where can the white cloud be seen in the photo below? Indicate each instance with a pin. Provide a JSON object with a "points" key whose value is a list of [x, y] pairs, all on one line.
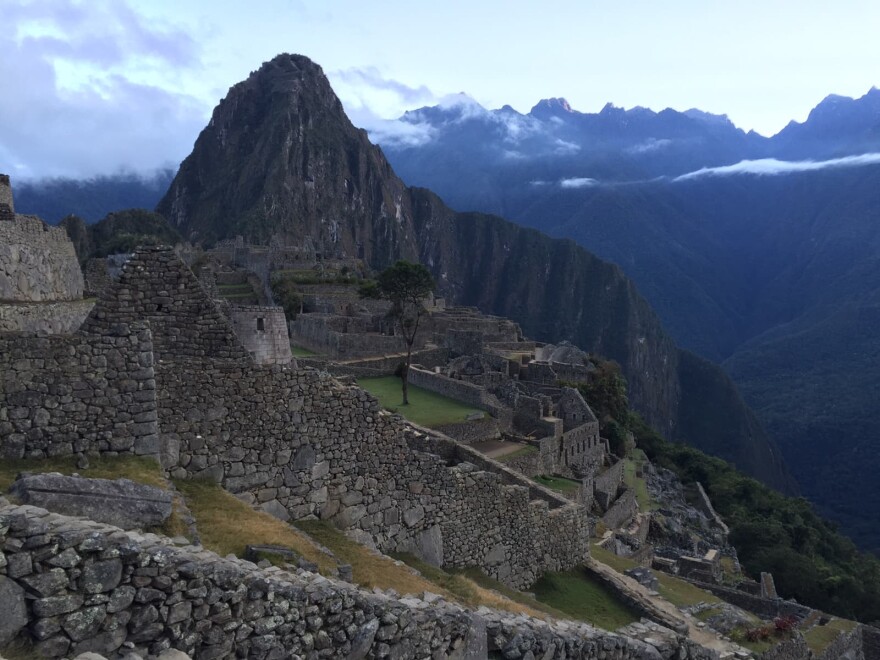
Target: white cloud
{"points": [[578, 182], [82, 93], [773, 167], [649, 145]]}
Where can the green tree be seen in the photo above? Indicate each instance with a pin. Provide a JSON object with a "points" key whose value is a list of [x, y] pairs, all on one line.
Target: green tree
{"points": [[287, 296], [405, 285]]}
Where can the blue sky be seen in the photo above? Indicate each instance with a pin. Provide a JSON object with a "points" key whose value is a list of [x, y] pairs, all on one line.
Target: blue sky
{"points": [[104, 85]]}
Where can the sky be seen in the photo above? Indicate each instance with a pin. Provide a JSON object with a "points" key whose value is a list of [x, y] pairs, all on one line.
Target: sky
{"points": [[102, 86]]}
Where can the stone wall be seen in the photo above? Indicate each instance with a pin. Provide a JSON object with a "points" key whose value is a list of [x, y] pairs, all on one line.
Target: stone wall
{"points": [[6, 201], [622, 511], [765, 608], [66, 394], [37, 262], [472, 395], [472, 431], [704, 504], [298, 443], [323, 334], [50, 318], [608, 483], [263, 332], [847, 646], [71, 586], [96, 277]]}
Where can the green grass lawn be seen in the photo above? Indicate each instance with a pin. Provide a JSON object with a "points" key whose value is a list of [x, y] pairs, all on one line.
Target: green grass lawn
{"points": [[299, 351], [559, 484], [580, 596], [425, 408], [819, 637]]}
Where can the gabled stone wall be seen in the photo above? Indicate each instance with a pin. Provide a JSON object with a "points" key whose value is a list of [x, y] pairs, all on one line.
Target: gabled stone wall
{"points": [[156, 286]]}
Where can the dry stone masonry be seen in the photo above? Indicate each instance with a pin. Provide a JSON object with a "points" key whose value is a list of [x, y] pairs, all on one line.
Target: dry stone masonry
{"points": [[74, 586], [61, 395]]}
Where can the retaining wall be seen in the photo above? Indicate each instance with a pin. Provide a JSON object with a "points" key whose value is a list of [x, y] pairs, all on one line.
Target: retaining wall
{"points": [[72, 586], [66, 394], [37, 262], [50, 318], [299, 443]]}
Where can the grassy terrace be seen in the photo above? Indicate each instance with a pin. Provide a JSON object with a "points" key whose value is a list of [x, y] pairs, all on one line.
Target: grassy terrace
{"points": [[559, 484], [299, 351], [581, 597], [425, 408]]}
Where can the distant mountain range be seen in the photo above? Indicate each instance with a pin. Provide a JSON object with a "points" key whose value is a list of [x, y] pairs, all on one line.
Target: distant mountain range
{"points": [[759, 253]]}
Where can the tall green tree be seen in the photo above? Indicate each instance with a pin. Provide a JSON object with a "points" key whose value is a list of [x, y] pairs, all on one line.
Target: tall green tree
{"points": [[405, 285]]}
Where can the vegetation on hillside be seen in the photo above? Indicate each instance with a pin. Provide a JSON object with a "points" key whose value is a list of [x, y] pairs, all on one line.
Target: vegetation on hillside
{"points": [[121, 231], [810, 560]]}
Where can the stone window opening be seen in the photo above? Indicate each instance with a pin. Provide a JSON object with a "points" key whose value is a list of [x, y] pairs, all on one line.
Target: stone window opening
{"points": [[261, 324]]}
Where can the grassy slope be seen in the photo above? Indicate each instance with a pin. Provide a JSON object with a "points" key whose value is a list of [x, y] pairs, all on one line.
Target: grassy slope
{"points": [[425, 408], [581, 597]]}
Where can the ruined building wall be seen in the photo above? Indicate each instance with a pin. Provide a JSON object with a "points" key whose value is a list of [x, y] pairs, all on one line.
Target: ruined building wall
{"points": [[622, 510], [343, 337], [37, 262], [263, 333], [61, 395], [299, 443], [7, 206]]}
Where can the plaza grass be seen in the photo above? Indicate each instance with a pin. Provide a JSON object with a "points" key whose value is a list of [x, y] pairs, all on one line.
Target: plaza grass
{"points": [[299, 351], [579, 596], [425, 408], [559, 484]]}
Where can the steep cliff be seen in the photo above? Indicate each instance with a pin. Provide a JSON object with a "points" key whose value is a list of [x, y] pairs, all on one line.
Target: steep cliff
{"points": [[280, 158]]}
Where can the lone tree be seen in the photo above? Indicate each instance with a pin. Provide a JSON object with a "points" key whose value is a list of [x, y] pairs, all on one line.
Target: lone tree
{"points": [[405, 285]]}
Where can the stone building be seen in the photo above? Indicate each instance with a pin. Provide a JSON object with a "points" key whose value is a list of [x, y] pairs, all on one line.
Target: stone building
{"points": [[41, 284], [263, 332]]}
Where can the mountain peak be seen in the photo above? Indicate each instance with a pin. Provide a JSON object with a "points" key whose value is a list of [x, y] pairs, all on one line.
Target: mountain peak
{"points": [[552, 107]]}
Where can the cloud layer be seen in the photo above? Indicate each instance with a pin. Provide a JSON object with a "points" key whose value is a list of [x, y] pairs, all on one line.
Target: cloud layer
{"points": [[773, 167], [81, 93]]}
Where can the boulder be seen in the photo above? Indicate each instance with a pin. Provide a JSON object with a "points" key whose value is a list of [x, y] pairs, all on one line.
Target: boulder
{"points": [[121, 502]]}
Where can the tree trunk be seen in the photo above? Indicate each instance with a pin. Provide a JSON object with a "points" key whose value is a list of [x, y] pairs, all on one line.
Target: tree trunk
{"points": [[405, 377]]}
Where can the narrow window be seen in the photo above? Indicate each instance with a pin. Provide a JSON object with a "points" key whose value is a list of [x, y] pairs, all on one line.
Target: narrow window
{"points": [[261, 325]]}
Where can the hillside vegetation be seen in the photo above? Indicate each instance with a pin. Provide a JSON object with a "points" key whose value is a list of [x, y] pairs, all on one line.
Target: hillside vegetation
{"points": [[810, 559]]}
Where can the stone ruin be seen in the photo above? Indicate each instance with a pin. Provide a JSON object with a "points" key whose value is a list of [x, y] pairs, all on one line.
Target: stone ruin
{"points": [[41, 284], [157, 370]]}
